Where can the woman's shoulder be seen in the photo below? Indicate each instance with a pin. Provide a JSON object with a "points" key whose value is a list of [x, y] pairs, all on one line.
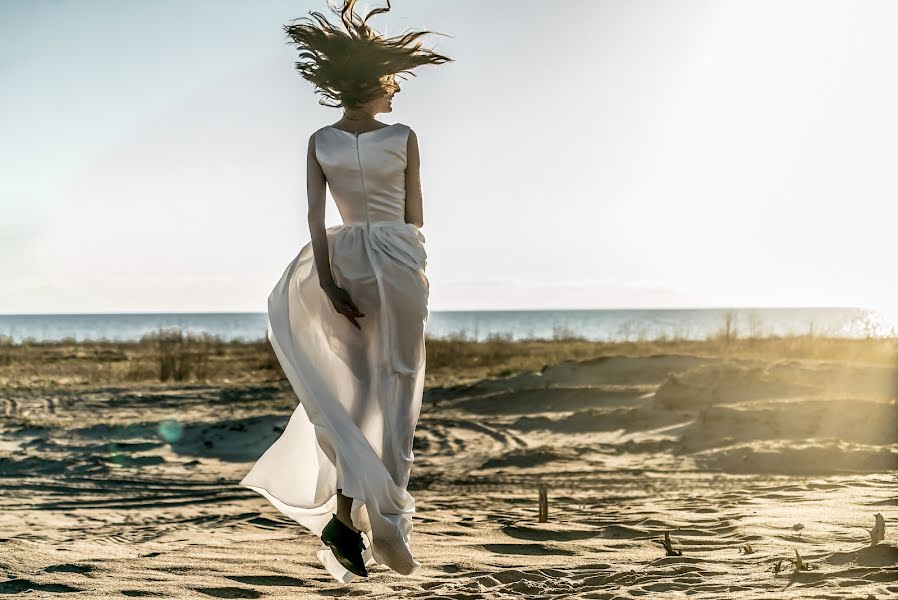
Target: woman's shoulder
{"points": [[398, 125], [404, 131]]}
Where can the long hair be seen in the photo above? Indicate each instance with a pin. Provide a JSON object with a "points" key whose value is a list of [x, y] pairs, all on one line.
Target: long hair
{"points": [[355, 64]]}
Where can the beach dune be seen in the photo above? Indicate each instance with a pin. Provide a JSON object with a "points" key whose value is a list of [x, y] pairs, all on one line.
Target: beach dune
{"points": [[766, 476]]}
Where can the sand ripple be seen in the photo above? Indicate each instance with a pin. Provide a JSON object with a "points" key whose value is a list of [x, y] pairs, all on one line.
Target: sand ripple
{"points": [[124, 492]]}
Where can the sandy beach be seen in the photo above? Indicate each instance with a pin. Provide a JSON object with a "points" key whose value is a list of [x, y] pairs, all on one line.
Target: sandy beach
{"points": [[115, 489]]}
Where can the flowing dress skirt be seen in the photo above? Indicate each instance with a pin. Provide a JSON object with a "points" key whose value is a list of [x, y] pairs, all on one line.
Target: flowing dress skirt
{"points": [[359, 390]]}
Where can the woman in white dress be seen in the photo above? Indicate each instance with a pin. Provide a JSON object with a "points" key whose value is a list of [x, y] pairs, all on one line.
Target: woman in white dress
{"points": [[346, 320]]}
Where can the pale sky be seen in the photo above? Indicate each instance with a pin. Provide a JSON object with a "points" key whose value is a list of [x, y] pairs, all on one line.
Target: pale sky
{"points": [[577, 154]]}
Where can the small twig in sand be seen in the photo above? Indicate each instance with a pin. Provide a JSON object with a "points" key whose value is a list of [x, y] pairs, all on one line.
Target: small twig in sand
{"points": [[543, 504], [800, 565], [746, 549], [668, 546]]}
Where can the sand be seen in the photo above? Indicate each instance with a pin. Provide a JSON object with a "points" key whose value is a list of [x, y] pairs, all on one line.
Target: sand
{"points": [[131, 491]]}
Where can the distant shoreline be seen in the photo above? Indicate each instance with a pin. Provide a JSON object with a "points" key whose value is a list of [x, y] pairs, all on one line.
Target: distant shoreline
{"points": [[449, 310], [592, 324]]}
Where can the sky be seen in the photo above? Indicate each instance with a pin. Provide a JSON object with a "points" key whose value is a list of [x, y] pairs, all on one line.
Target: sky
{"points": [[576, 154]]}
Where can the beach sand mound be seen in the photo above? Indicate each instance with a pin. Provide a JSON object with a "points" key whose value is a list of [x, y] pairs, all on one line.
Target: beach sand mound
{"points": [[724, 383], [131, 492], [739, 381], [850, 420], [807, 458]]}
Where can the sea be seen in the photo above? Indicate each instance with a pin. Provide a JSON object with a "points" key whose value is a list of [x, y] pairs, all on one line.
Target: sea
{"points": [[479, 325]]}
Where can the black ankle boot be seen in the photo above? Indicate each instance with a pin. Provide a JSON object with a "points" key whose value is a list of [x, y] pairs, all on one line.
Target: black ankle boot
{"points": [[346, 544]]}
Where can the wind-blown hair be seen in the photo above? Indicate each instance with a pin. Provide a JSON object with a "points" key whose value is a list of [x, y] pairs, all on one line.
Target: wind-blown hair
{"points": [[353, 65]]}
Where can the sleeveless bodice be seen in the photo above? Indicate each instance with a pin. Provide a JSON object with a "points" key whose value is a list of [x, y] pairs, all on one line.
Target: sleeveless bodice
{"points": [[365, 172]]}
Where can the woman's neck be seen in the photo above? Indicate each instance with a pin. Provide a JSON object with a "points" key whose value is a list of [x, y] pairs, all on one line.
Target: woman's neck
{"points": [[358, 117]]}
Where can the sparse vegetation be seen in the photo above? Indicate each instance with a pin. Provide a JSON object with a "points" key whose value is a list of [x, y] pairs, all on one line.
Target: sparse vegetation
{"points": [[458, 361], [561, 333], [755, 325], [162, 356], [180, 356], [5, 350], [174, 356], [729, 332]]}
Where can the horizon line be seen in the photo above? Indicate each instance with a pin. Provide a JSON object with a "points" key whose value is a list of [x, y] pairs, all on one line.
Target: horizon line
{"points": [[455, 310]]}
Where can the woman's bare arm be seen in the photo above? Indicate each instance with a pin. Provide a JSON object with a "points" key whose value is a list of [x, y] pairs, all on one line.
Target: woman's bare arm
{"points": [[315, 189], [414, 211]]}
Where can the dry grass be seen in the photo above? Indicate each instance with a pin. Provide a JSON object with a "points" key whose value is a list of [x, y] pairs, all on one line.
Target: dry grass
{"points": [[182, 357], [5, 350], [173, 356], [465, 360], [158, 357]]}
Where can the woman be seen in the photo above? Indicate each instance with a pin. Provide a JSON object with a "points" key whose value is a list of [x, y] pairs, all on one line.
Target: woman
{"points": [[346, 320]]}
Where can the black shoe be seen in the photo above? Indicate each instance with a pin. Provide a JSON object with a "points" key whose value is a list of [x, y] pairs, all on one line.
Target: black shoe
{"points": [[346, 544]]}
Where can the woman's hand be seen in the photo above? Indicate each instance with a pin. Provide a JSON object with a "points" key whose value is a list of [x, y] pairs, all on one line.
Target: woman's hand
{"points": [[343, 304]]}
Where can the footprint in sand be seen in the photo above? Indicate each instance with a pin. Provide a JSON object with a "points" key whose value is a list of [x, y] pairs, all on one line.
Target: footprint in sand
{"points": [[21, 586], [69, 568], [268, 580], [228, 592], [527, 549], [539, 534]]}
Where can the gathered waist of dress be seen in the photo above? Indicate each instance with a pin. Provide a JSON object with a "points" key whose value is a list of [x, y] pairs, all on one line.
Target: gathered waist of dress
{"points": [[379, 224], [379, 229]]}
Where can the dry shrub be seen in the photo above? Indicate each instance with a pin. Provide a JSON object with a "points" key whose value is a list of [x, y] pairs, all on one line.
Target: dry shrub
{"points": [[268, 360], [181, 356], [5, 350]]}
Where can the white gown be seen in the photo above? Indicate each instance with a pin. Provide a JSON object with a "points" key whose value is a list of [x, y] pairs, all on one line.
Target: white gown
{"points": [[359, 391]]}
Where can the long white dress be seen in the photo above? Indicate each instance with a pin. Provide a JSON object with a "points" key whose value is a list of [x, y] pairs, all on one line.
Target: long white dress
{"points": [[359, 390]]}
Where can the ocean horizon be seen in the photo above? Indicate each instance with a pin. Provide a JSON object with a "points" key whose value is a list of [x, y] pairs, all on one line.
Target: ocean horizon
{"points": [[591, 324]]}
